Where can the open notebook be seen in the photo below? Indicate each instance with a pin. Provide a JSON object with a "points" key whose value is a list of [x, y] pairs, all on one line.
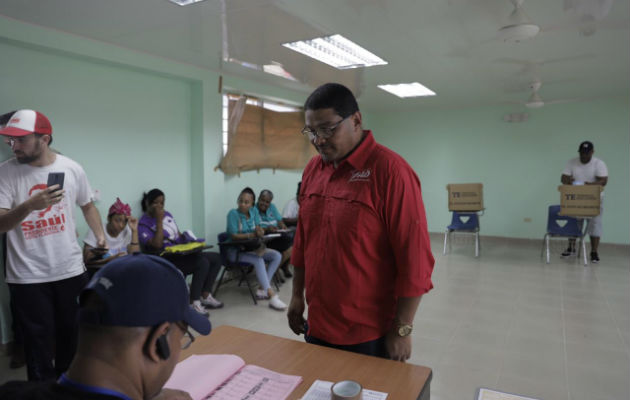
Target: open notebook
{"points": [[225, 377]]}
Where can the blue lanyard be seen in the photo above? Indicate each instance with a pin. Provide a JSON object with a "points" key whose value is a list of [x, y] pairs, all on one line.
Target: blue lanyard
{"points": [[65, 381]]}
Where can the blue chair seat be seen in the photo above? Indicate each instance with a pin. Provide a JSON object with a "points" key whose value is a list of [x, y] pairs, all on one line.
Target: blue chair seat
{"points": [[465, 222], [563, 226]]}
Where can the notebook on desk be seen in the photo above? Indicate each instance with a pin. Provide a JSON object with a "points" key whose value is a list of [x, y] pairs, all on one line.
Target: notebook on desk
{"points": [[226, 377]]}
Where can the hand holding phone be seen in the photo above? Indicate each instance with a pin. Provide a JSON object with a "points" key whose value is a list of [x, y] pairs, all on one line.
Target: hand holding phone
{"points": [[56, 178], [99, 250]]}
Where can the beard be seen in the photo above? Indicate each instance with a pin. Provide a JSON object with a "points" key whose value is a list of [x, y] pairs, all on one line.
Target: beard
{"points": [[24, 158]]}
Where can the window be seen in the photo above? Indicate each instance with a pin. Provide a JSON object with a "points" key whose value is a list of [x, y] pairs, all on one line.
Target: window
{"points": [[259, 134]]}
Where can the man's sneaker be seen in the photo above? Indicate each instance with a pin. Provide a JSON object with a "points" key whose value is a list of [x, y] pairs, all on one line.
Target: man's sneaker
{"points": [[211, 302], [594, 257], [262, 294], [570, 251], [277, 304], [196, 305]]}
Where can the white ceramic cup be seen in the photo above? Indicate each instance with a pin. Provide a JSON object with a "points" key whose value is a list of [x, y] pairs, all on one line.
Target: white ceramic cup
{"points": [[346, 390]]}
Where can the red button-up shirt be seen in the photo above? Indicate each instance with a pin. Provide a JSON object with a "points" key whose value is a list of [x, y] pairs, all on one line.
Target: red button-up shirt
{"points": [[363, 242]]}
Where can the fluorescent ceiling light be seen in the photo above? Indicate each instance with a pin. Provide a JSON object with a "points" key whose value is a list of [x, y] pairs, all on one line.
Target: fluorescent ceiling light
{"points": [[403, 90], [185, 2], [336, 51]]}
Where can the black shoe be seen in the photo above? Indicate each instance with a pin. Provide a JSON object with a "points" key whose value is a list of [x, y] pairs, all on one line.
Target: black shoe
{"points": [[570, 251], [594, 257], [287, 272]]}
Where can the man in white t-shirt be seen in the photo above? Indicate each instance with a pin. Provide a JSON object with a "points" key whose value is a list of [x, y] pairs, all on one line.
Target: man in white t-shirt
{"points": [[587, 170], [291, 210], [45, 269]]}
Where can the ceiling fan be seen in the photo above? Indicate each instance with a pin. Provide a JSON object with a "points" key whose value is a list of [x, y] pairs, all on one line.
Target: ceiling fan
{"points": [[520, 26], [535, 101]]}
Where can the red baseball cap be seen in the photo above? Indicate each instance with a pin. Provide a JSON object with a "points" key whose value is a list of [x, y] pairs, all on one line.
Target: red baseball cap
{"points": [[25, 122]]}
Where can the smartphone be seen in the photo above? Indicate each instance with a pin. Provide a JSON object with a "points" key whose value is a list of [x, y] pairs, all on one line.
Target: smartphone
{"points": [[56, 178], [99, 250]]}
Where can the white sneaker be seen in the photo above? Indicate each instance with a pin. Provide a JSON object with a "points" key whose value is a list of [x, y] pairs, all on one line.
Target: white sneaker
{"points": [[277, 304], [211, 302], [196, 305]]}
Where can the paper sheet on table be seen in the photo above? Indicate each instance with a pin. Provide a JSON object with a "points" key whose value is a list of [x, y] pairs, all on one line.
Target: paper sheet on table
{"points": [[256, 383], [489, 394], [200, 374], [320, 390]]}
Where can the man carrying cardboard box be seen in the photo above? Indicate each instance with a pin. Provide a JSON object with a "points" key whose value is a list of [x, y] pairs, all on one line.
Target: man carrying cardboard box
{"points": [[587, 170]]}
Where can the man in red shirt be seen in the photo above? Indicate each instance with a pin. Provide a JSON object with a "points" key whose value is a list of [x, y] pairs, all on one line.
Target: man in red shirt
{"points": [[361, 253]]}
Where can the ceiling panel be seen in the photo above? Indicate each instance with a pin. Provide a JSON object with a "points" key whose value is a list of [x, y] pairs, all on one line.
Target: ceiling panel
{"points": [[451, 46]]}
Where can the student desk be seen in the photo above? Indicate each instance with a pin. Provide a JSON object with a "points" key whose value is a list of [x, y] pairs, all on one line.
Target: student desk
{"points": [[402, 381]]}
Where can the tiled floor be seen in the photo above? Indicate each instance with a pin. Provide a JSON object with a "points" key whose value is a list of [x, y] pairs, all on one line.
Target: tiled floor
{"points": [[507, 321]]}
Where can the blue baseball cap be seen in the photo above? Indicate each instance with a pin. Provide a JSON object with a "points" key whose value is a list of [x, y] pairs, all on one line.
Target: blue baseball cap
{"points": [[140, 290]]}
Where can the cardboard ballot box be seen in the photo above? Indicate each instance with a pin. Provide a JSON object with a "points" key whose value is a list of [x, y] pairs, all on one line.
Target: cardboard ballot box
{"points": [[465, 196], [580, 201]]}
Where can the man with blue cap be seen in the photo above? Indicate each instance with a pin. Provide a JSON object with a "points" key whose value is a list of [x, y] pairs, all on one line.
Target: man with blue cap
{"points": [[134, 321]]}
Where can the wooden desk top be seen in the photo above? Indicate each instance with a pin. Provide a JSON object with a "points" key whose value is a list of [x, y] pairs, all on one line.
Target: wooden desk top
{"points": [[400, 380]]}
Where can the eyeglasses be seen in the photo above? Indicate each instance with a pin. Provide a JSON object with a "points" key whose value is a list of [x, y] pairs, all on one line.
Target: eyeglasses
{"points": [[188, 337], [11, 141], [324, 132]]}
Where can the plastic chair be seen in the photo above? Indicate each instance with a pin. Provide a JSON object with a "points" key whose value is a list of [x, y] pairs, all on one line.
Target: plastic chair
{"points": [[572, 228], [243, 268], [463, 222]]}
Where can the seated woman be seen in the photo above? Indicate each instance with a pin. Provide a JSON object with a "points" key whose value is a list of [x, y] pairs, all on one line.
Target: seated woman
{"points": [[157, 229], [271, 221], [121, 235], [244, 223]]}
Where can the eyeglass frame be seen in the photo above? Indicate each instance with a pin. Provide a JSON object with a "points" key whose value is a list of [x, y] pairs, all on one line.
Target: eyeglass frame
{"points": [[187, 333], [317, 132], [12, 140]]}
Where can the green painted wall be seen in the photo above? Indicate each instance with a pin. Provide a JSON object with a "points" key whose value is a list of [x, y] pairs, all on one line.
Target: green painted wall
{"points": [[131, 131], [134, 121], [519, 163]]}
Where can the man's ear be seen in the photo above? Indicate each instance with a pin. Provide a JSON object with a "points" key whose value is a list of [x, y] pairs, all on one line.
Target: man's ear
{"points": [[357, 119], [154, 351]]}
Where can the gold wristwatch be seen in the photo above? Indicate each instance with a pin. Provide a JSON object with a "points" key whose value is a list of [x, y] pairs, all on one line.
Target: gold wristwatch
{"points": [[403, 330]]}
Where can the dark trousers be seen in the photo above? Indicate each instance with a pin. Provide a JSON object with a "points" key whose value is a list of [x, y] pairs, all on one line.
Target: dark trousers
{"points": [[374, 348], [47, 317], [204, 267]]}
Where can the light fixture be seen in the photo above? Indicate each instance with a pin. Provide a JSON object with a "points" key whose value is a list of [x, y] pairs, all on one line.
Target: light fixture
{"points": [[185, 2], [336, 51], [403, 90]]}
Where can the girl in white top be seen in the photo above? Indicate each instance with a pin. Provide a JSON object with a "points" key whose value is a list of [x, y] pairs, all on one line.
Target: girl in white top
{"points": [[121, 234]]}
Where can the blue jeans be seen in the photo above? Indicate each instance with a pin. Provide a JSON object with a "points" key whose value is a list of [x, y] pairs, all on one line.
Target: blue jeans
{"points": [[264, 273]]}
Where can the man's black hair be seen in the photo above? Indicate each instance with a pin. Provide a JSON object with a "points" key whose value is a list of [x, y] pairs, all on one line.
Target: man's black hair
{"points": [[266, 192], [335, 96], [4, 118]]}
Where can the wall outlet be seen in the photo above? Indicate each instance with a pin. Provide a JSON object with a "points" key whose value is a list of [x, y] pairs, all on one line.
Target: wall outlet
{"points": [[527, 219]]}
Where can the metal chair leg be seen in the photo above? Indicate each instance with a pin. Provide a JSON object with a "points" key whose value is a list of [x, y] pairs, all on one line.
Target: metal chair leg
{"points": [[547, 246], [476, 244], [445, 239], [219, 281]]}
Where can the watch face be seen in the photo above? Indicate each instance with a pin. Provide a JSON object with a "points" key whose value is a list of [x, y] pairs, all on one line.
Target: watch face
{"points": [[404, 330]]}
